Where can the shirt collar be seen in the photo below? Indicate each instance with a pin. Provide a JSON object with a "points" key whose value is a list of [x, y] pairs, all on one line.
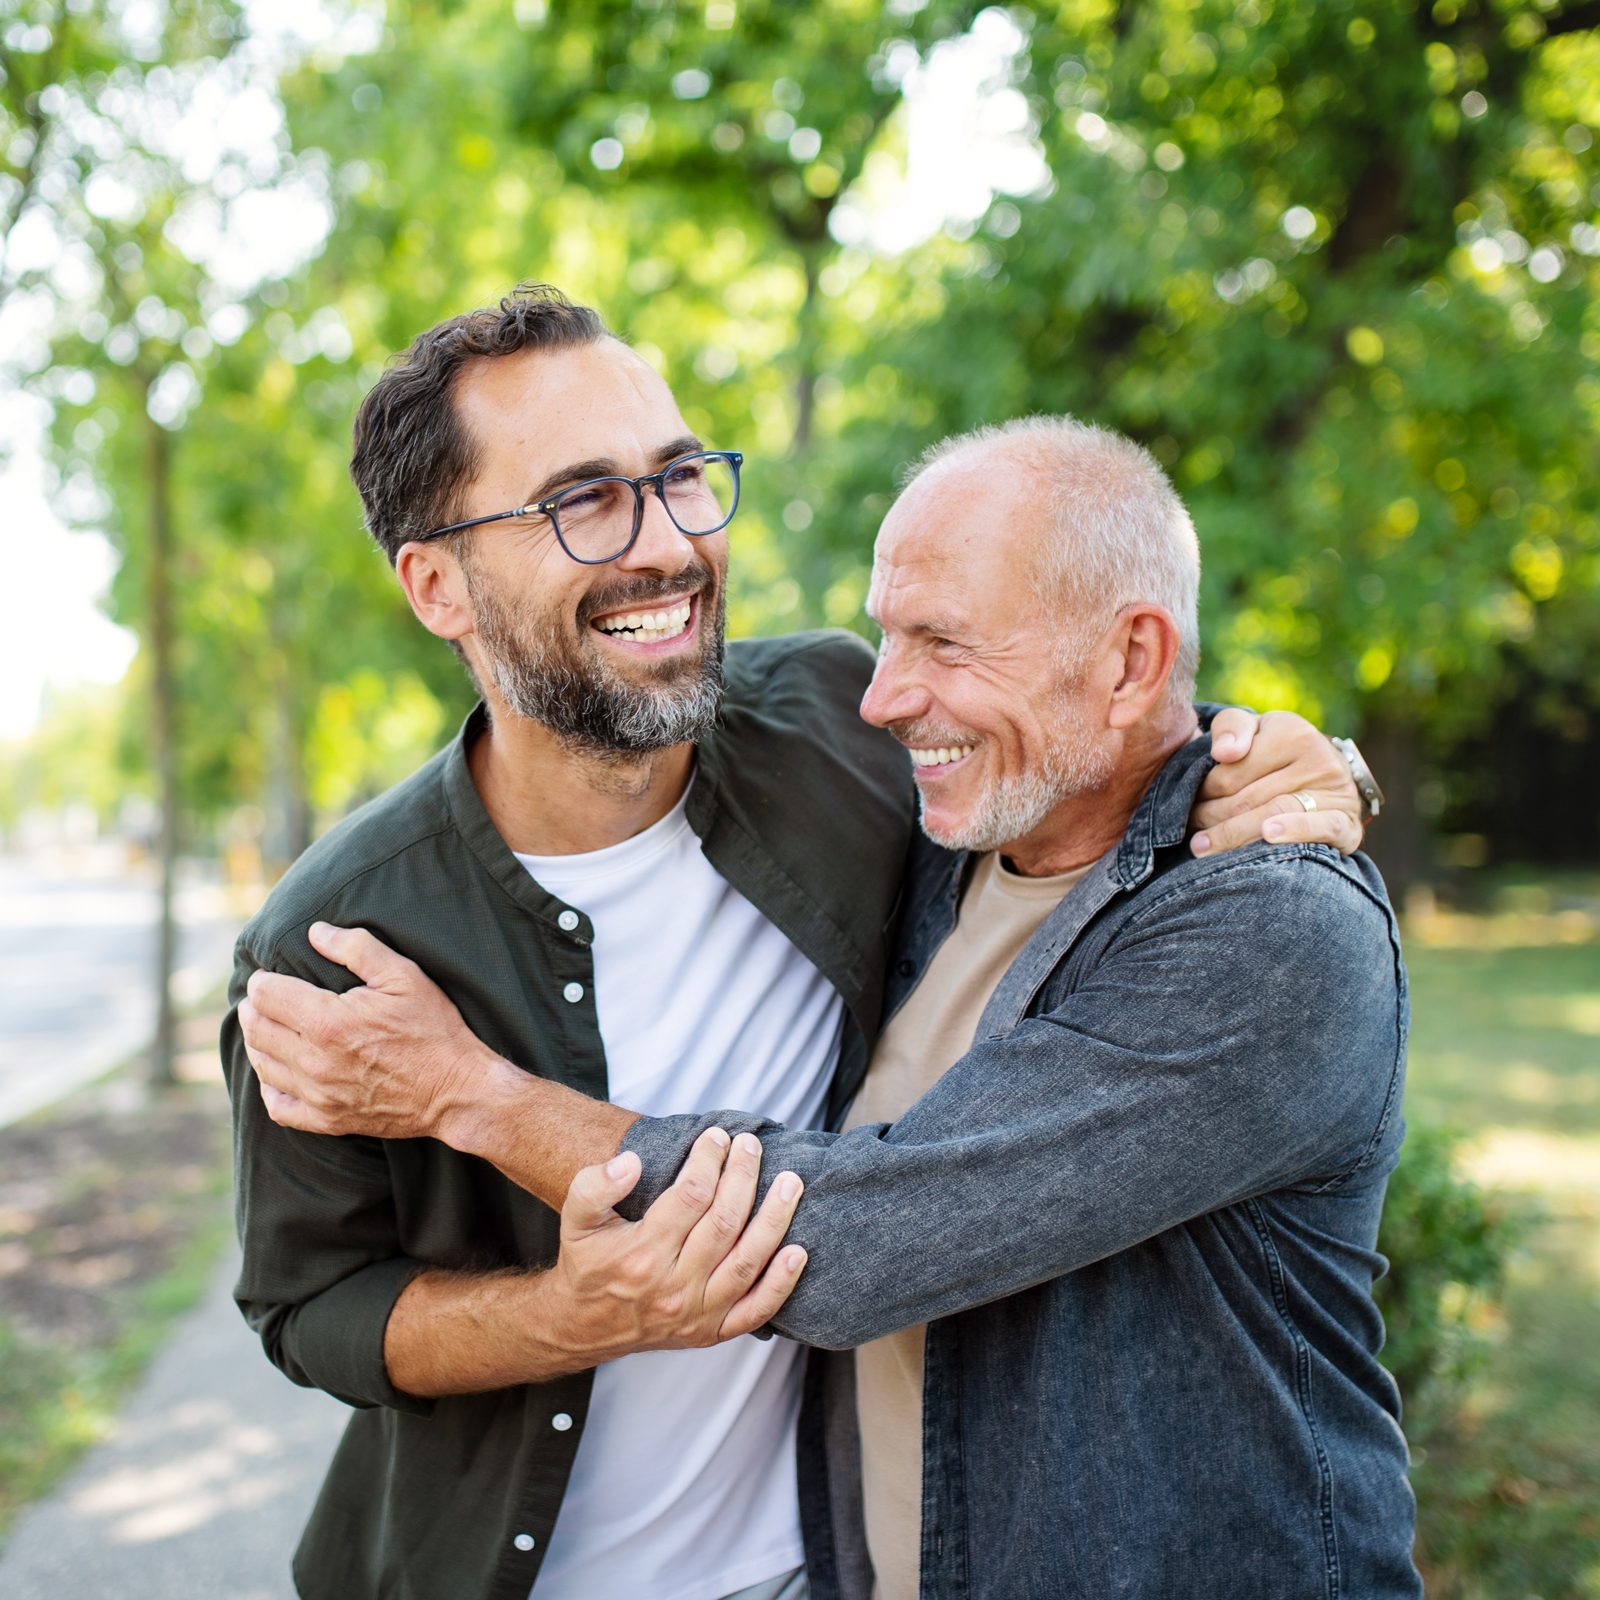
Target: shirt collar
{"points": [[1161, 819]]}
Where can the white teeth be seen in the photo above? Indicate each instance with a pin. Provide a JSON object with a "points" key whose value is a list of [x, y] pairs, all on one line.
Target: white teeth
{"points": [[649, 627], [942, 755]]}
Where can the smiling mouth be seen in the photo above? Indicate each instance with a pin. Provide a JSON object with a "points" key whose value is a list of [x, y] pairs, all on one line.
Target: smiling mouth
{"points": [[648, 625], [939, 756]]}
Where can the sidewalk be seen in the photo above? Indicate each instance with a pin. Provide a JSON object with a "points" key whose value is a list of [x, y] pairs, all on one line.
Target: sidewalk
{"points": [[203, 1490]]}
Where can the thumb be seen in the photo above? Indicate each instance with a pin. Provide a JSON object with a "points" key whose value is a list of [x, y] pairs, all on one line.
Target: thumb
{"points": [[366, 955], [1233, 731], [594, 1192]]}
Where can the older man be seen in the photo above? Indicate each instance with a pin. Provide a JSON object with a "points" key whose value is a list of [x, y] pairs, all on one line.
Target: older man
{"points": [[623, 892]]}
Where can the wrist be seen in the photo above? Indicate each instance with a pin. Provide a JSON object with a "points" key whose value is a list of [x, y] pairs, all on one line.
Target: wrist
{"points": [[470, 1116]]}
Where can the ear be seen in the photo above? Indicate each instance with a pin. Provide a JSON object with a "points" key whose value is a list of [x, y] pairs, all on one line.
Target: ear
{"points": [[437, 589], [1147, 639]]}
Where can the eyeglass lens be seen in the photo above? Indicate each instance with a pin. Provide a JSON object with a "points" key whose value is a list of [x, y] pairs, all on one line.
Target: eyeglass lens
{"points": [[596, 519]]}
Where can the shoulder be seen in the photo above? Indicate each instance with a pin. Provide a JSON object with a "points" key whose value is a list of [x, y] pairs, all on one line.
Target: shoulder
{"points": [[370, 844], [830, 659], [1314, 877], [802, 693], [1280, 914]]}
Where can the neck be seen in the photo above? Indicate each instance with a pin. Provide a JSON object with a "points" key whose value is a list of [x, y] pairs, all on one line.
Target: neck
{"points": [[1084, 826], [546, 798]]}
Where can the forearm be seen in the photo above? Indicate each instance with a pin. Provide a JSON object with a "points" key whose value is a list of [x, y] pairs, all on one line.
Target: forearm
{"points": [[464, 1333], [538, 1133], [1094, 1127]]}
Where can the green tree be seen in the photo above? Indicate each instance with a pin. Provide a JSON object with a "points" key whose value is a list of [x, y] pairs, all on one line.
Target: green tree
{"points": [[87, 91], [1336, 264]]}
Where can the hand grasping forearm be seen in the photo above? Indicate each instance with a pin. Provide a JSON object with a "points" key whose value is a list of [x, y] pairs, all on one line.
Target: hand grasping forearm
{"points": [[394, 1060], [697, 1269]]}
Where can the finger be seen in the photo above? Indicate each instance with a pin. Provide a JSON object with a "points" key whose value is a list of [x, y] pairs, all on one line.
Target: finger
{"points": [[593, 1195], [363, 953], [763, 1303], [716, 1233], [263, 1036], [1248, 826], [1233, 732], [288, 1112], [1288, 753], [276, 1074], [675, 1212], [759, 1241], [1310, 771], [291, 1001], [1337, 828]]}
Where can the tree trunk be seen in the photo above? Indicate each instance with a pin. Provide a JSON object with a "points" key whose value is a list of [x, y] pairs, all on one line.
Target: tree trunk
{"points": [[289, 830], [805, 397], [163, 1049]]}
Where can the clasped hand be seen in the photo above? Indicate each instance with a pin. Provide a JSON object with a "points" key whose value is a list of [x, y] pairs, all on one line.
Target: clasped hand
{"points": [[696, 1269]]}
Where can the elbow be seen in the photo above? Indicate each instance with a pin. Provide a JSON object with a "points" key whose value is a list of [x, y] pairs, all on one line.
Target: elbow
{"points": [[271, 1325], [828, 1317]]}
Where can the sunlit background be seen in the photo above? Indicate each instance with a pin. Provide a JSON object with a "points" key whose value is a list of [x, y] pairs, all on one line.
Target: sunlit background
{"points": [[1334, 261]]}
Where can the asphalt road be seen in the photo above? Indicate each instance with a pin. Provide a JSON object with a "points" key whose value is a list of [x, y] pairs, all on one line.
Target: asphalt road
{"points": [[77, 950]]}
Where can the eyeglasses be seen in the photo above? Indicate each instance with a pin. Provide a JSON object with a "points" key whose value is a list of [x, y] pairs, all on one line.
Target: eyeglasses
{"points": [[598, 520]]}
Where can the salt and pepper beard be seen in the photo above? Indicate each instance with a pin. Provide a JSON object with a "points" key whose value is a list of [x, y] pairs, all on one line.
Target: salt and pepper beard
{"points": [[565, 683], [1009, 808]]}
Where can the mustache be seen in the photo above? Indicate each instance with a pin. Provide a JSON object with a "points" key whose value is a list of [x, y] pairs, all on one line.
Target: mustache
{"points": [[926, 735], [695, 579]]}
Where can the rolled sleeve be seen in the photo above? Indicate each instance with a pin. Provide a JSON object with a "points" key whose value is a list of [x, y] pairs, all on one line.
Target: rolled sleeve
{"points": [[323, 1262], [1242, 1031]]}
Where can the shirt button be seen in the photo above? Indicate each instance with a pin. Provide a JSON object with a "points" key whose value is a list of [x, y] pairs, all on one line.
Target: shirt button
{"points": [[906, 968], [568, 920], [561, 1422], [572, 994], [524, 1541]]}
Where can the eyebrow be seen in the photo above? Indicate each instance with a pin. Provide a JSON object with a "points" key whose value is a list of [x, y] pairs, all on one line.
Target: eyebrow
{"points": [[935, 628], [606, 467]]}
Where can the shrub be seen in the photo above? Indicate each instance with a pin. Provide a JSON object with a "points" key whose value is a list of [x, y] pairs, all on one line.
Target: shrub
{"points": [[1448, 1244]]}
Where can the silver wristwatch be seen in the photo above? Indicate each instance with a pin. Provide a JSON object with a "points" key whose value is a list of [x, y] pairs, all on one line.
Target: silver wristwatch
{"points": [[1361, 773]]}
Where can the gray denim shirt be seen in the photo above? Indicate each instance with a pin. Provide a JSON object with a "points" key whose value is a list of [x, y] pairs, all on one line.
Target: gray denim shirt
{"points": [[1139, 1216]]}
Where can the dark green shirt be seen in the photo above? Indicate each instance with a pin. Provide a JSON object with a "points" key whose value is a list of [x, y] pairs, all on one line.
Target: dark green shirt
{"points": [[803, 809]]}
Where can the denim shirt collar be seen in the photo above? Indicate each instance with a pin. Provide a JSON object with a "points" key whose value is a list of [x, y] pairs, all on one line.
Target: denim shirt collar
{"points": [[1161, 819]]}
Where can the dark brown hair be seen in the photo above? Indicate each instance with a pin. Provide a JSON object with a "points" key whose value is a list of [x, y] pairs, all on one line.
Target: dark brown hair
{"points": [[411, 455]]}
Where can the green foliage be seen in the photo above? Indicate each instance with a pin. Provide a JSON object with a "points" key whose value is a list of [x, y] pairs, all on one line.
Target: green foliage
{"points": [[1448, 1244], [1336, 265]]}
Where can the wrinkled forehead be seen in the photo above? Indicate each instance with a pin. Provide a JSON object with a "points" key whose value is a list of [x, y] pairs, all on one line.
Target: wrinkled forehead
{"points": [[962, 539], [542, 408]]}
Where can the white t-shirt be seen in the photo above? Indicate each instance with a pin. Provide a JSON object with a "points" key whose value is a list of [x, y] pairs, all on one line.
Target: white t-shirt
{"points": [[684, 1483]]}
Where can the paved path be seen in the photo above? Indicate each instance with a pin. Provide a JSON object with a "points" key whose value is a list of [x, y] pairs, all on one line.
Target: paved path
{"points": [[77, 958], [201, 1494]]}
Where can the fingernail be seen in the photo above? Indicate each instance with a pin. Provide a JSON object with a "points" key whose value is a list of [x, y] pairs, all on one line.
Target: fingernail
{"points": [[788, 1186], [1273, 828], [793, 1259], [1201, 843], [718, 1137], [617, 1167], [319, 930], [748, 1144]]}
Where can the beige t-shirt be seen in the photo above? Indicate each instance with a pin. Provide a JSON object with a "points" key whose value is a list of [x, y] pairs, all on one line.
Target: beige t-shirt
{"points": [[999, 913]]}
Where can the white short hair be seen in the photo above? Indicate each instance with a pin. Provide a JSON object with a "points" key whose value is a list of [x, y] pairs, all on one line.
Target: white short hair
{"points": [[1118, 533]]}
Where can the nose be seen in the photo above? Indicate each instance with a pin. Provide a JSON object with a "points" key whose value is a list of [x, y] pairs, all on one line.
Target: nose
{"points": [[662, 546], [894, 694]]}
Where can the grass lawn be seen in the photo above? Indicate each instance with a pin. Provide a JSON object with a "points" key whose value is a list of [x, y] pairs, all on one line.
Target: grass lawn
{"points": [[1506, 1047]]}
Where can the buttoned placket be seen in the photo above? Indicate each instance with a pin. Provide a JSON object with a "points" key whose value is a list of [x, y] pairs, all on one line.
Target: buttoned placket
{"points": [[571, 953]]}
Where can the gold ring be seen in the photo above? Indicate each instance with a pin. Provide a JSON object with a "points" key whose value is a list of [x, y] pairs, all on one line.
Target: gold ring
{"points": [[1308, 801]]}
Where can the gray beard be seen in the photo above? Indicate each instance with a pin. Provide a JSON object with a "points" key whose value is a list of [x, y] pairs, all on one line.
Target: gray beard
{"points": [[1010, 809], [582, 698]]}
